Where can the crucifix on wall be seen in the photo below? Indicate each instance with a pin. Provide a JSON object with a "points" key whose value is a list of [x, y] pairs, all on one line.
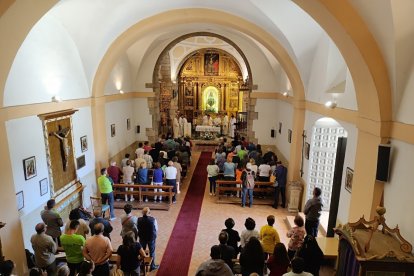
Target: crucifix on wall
{"points": [[62, 134]]}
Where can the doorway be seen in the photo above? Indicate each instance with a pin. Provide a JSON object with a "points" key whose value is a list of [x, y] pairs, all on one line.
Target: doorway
{"points": [[325, 163]]}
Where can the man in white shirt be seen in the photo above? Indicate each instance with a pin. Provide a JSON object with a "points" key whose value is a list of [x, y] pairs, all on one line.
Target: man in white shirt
{"points": [[140, 150], [171, 177], [128, 172], [264, 172]]}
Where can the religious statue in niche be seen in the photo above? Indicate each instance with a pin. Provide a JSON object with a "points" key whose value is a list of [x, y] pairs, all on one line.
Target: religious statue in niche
{"points": [[62, 134]]}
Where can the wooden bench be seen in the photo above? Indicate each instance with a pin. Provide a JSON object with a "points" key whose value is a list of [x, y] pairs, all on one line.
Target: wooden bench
{"points": [[140, 190], [223, 186]]}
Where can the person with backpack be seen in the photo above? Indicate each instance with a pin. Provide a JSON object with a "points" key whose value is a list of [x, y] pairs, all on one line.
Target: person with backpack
{"points": [[248, 184]]}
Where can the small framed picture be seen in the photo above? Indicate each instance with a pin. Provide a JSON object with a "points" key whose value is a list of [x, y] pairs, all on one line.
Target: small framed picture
{"points": [[20, 200], [44, 187], [348, 179], [113, 130], [280, 127], [307, 150], [84, 143], [289, 135], [80, 162], [29, 166], [128, 124]]}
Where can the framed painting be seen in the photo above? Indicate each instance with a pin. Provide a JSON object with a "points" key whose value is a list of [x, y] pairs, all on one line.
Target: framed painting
{"points": [[20, 200], [307, 150], [113, 130], [84, 143], [128, 124], [348, 179], [80, 162], [211, 64], [29, 166], [44, 187], [280, 128], [289, 135]]}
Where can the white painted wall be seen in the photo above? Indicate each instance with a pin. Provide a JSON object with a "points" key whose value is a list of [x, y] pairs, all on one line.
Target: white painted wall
{"points": [[142, 117], [25, 138], [120, 77], [271, 112], [399, 190], [352, 131], [117, 113], [47, 64]]}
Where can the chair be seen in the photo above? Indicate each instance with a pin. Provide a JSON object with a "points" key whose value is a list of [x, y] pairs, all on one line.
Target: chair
{"points": [[96, 203]]}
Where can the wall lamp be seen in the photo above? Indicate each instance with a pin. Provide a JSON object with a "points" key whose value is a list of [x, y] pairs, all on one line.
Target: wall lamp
{"points": [[331, 104], [56, 99]]}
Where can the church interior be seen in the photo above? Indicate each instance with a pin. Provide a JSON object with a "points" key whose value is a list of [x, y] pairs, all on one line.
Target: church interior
{"points": [[325, 84]]}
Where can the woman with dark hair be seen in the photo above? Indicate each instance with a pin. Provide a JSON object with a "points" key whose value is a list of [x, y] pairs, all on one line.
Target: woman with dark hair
{"points": [[86, 268], [249, 232], [128, 255], [234, 237], [278, 263], [296, 235], [83, 229], [252, 258], [312, 254], [129, 221]]}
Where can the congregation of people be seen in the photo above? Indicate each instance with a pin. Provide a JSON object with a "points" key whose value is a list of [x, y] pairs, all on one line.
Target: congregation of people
{"points": [[260, 251], [244, 161]]}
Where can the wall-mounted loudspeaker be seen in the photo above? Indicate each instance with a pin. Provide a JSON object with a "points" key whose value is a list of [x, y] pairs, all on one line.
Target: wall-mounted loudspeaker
{"points": [[138, 129], [383, 162], [272, 133]]}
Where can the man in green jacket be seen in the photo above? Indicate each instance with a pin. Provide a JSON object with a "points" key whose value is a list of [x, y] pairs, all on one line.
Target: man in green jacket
{"points": [[105, 187]]}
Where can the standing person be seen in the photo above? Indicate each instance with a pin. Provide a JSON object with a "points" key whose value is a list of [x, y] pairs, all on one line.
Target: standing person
{"points": [[147, 232], [264, 172], [123, 161], [128, 172], [232, 126], [142, 176], [53, 220], [98, 249], [312, 254], [105, 188], [157, 179], [312, 210], [280, 188], [212, 172], [249, 232], [83, 228], [298, 268], [130, 254], [171, 178], [129, 221], [98, 219], [176, 128], [269, 237], [179, 171], [215, 266], [278, 263], [114, 172], [234, 237], [248, 185], [226, 251], [86, 268], [225, 125], [73, 245], [296, 235], [252, 258], [44, 249], [148, 159]]}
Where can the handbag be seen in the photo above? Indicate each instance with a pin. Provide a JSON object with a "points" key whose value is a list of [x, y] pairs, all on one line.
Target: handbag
{"points": [[273, 178]]}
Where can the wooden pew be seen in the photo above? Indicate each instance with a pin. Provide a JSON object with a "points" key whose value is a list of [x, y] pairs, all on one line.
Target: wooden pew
{"points": [[141, 190], [223, 186]]}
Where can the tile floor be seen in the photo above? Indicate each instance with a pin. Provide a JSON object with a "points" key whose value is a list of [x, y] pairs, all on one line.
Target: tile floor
{"points": [[210, 223]]}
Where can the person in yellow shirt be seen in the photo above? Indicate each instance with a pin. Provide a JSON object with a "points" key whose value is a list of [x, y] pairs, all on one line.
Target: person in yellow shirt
{"points": [[269, 237], [105, 188]]}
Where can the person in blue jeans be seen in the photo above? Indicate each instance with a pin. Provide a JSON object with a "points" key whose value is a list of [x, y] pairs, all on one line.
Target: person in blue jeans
{"points": [[312, 210], [248, 184]]}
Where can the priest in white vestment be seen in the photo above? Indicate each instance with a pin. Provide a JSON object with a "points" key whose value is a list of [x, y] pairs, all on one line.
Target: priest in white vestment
{"points": [[232, 126]]}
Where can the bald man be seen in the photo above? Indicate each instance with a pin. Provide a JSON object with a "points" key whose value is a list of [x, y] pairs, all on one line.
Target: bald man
{"points": [[44, 249], [147, 233]]}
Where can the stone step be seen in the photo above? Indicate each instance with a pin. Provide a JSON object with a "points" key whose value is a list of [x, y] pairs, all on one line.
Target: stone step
{"points": [[323, 225]]}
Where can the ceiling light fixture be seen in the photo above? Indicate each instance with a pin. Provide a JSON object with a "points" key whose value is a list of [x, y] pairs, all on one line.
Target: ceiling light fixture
{"points": [[121, 91], [330, 104], [56, 99]]}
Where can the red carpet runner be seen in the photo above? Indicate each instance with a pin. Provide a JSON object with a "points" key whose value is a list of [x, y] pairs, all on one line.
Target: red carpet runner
{"points": [[177, 256]]}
